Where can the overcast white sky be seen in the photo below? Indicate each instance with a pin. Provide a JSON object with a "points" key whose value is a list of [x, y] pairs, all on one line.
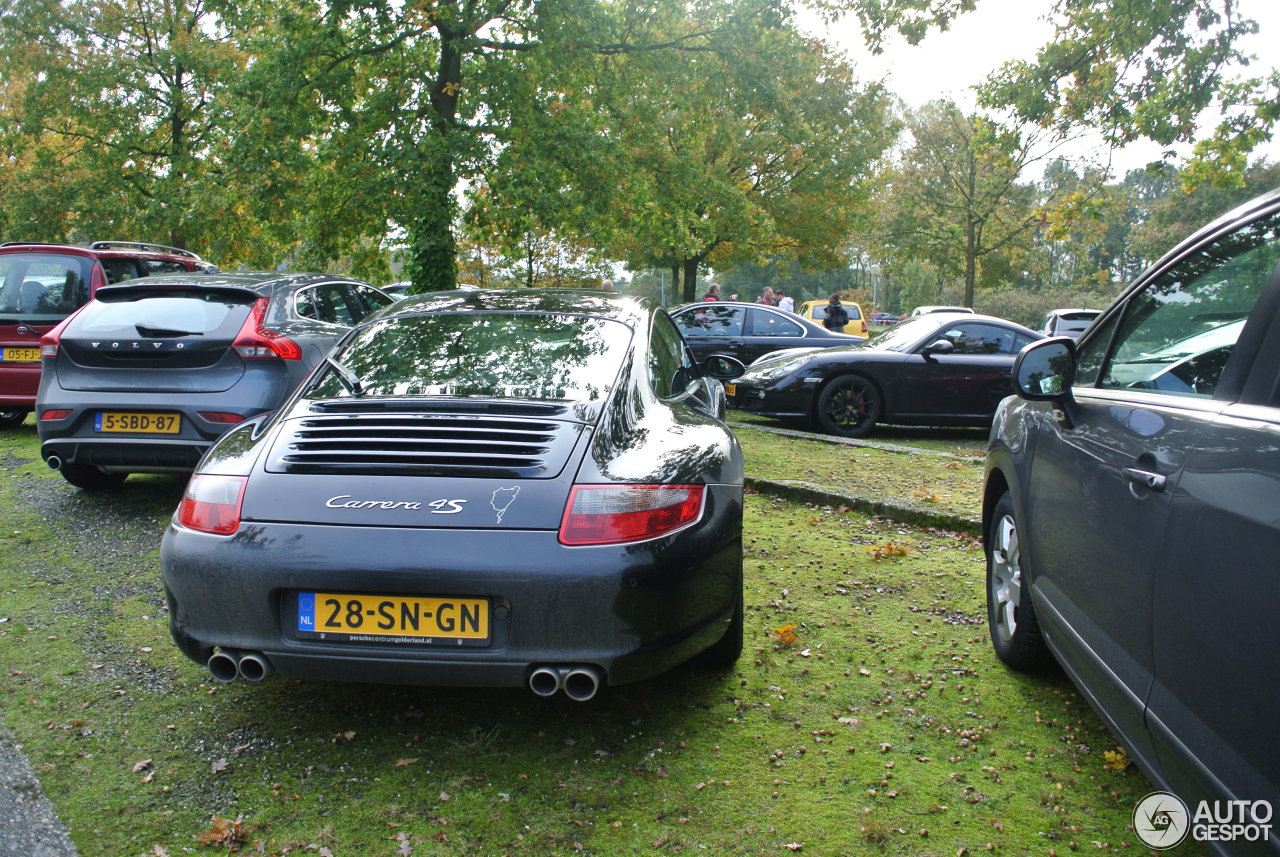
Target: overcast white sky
{"points": [[946, 64]]}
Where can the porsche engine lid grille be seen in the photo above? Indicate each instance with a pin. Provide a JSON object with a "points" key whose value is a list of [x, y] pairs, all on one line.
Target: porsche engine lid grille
{"points": [[482, 445]]}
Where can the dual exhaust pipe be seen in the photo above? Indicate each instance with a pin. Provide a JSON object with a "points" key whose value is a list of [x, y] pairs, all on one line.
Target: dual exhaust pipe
{"points": [[579, 683], [228, 665]]}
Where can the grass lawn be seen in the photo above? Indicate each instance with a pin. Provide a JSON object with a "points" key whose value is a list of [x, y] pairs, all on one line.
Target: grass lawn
{"points": [[867, 716]]}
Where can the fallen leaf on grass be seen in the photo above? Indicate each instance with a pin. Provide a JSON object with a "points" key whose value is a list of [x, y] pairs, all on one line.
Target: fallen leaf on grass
{"points": [[400, 763], [142, 766], [786, 635], [225, 832], [218, 766]]}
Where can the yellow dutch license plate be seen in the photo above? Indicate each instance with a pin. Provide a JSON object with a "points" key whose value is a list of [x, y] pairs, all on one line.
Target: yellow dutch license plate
{"points": [[22, 355], [402, 618], [136, 423], [731, 389]]}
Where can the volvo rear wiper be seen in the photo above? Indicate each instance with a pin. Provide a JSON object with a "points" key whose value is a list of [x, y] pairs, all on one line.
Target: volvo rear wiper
{"points": [[148, 330], [349, 379]]}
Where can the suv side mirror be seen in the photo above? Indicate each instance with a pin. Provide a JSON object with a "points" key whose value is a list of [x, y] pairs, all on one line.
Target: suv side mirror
{"points": [[1045, 370]]}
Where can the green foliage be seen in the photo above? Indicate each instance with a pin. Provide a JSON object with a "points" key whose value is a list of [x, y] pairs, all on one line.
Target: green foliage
{"points": [[1140, 69]]}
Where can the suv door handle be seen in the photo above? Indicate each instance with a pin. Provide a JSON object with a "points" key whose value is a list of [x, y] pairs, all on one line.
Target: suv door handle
{"points": [[1144, 478]]}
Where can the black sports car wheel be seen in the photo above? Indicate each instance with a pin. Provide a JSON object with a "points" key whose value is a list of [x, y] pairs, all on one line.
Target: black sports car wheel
{"points": [[1011, 617], [848, 406]]}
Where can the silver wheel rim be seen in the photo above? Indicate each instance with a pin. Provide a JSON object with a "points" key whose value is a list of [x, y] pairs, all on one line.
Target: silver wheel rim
{"points": [[1006, 578]]}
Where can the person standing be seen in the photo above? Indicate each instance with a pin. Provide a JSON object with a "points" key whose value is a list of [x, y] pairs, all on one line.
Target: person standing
{"points": [[713, 293], [784, 300], [836, 316]]}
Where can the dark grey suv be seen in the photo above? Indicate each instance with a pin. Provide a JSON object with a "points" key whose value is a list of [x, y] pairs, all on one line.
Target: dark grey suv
{"points": [[1132, 513], [147, 375]]}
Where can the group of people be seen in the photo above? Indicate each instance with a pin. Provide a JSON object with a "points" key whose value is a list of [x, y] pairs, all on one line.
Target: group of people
{"points": [[835, 318]]}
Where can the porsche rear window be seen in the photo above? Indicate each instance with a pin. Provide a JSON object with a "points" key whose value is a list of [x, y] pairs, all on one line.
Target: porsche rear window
{"points": [[483, 354]]}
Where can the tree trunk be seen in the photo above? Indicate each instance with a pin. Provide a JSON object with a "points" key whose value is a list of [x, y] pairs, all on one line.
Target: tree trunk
{"points": [[675, 281], [691, 278], [970, 263]]}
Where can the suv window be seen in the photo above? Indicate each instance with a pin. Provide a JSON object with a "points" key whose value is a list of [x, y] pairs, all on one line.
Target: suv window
{"points": [[1177, 334]]}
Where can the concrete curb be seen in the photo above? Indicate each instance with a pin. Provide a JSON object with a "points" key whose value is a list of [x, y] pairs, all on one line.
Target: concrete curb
{"points": [[806, 492], [850, 441]]}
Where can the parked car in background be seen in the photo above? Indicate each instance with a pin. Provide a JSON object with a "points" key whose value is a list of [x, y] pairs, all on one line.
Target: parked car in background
{"points": [[1068, 322], [496, 488], [925, 310], [816, 311], [151, 372], [41, 284], [398, 290], [749, 331], [936, 369], [884, 319], [1130, 512]]}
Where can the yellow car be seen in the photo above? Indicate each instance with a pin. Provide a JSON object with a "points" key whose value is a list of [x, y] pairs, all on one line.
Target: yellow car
{"points": [[817, 310]]}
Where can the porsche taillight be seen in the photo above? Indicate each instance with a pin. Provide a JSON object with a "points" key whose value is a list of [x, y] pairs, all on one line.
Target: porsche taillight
{"points": [[211, 503], [612, 514]]}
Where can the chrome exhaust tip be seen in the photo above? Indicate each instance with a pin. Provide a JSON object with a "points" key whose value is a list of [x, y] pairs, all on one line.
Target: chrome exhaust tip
{"points": [[582, 683], [254, 667], [54, 462], [224, 667], [545, 681]]}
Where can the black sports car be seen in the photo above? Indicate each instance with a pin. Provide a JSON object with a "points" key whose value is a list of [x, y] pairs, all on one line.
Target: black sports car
{"points": [[476, 488], [941, 368]]}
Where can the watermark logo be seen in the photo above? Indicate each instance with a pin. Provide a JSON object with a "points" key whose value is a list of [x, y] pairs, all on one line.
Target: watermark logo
{"points": [[1161, 820]]}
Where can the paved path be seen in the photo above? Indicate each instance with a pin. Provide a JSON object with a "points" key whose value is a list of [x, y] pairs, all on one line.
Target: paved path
{"points": [[28, 825]]}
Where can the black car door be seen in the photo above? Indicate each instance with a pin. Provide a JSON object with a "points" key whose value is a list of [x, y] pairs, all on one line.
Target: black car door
{"points": [[769, 330], [1151, 377], [713, 328], [967, 382]]}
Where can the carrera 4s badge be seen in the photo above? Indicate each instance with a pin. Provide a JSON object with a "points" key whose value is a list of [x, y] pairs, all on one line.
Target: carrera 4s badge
{"points": [[437, 507]]}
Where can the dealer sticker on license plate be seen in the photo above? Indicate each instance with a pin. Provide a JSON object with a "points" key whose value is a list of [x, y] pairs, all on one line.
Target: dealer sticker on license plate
{"points": [[112, 421], [731, 389], [22, 355], [393, 618]]}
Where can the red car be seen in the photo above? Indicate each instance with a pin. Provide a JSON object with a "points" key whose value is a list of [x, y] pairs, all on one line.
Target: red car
{"points": [[41, 284]]}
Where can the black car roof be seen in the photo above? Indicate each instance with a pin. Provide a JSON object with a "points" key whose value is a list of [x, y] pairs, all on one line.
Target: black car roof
{"points": [[629, 310]]}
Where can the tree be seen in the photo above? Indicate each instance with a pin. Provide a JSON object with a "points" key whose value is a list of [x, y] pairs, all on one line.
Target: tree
{"points": [[721, 153], [1141, 69], [119, 110], [955, 200]]}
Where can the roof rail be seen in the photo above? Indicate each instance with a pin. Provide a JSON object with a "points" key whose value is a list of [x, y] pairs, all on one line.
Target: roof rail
{"points": [[34, 244], [142, 245]]}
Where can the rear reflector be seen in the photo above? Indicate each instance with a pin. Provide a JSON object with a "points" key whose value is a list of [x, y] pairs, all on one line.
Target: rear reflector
{"points": [[211, 503], [611, 514], [220, 417], [58, 414], [255, 341]]}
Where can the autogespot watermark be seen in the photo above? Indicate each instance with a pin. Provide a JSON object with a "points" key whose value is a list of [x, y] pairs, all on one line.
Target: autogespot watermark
{"points": [[1162, 820]]}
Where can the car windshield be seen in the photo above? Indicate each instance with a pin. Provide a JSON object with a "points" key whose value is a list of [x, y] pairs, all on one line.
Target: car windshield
{"points": [[904, 335], [499, 355]]}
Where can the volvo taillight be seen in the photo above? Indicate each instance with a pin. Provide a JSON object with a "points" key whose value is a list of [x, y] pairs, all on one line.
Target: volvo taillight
{"points": [[255, 341], [211, 503], [611, 514]]}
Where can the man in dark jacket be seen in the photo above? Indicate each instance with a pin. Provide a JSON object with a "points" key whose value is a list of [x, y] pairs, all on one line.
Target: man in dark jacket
{"points": [[837, 316]]}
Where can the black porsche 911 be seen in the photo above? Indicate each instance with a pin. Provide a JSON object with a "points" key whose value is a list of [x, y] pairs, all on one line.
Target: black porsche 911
{"points": [[475, 488], [938, 369]]}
